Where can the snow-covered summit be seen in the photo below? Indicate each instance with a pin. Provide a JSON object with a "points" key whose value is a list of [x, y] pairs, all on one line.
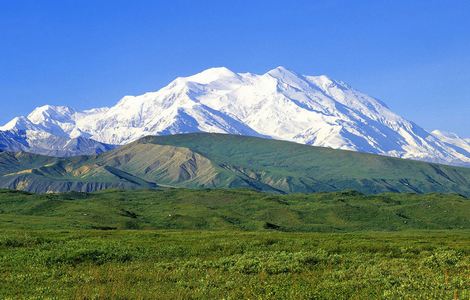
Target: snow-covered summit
{"points": [[280, 104], [51, 113], [211, 75]]}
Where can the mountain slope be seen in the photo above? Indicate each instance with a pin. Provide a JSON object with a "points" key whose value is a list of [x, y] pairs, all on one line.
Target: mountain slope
{"points": [[452, 140], [279, 104], [205, 160]]}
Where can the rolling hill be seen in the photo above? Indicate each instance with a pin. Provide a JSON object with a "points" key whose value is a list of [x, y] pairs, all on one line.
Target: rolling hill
{"points": [[233, 210], [209, 160]]}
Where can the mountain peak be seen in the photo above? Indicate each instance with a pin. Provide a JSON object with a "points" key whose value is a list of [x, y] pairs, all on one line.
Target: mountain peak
{"points": [[288, 77], [56, 108], [280, 70], [280, 104], [211, 74], [45, 112], [18, 123]]}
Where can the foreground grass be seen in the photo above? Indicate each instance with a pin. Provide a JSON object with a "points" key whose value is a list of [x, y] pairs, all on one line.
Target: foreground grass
{"points": [[233, 244], [156, 264]]}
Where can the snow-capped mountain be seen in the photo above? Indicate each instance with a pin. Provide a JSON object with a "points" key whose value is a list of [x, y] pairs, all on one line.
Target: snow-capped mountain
{"points": [[49, 130], [279, 104]]}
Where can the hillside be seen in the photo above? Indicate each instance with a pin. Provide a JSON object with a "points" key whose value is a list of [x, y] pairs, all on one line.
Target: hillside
{"points": [[233, 210], [204, 160]]}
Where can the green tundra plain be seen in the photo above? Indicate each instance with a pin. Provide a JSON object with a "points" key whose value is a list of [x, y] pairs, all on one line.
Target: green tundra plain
{"points": [[233, 244]]}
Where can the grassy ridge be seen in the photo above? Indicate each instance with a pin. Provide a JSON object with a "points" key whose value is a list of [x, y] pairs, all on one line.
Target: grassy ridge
{"points": [[233, 210], [207, 160], [293, 167]]}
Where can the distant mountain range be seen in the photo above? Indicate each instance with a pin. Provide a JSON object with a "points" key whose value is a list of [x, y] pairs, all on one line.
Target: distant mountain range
{"points": [[210, 160], [281, 104]]}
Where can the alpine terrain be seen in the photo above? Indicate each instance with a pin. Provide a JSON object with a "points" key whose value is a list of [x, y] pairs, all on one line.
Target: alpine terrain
{"points": [[280, 104]]}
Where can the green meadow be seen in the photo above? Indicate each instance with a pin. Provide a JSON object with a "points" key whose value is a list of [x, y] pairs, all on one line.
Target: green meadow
{"points": [[162, 264], [233, 244]]}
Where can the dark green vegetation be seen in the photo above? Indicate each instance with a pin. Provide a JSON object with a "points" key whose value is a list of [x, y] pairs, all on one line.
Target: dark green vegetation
{"points": [[233, 265], [236, 244], [233, 210], [206, 160]]}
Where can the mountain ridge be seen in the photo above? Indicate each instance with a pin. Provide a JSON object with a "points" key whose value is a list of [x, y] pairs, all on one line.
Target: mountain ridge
{"points": [[212, 160], [279, 104]]}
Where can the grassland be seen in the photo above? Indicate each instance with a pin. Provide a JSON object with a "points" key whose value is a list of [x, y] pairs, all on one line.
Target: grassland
{"points": [[233, 244], [234, 210], [151, 264]]}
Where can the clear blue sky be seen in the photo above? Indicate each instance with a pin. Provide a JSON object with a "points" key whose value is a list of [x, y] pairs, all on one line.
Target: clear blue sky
{"points": [[413, 55]]}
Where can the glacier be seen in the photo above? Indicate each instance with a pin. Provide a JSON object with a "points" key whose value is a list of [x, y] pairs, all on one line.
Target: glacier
{"points": [[280, 104]]}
